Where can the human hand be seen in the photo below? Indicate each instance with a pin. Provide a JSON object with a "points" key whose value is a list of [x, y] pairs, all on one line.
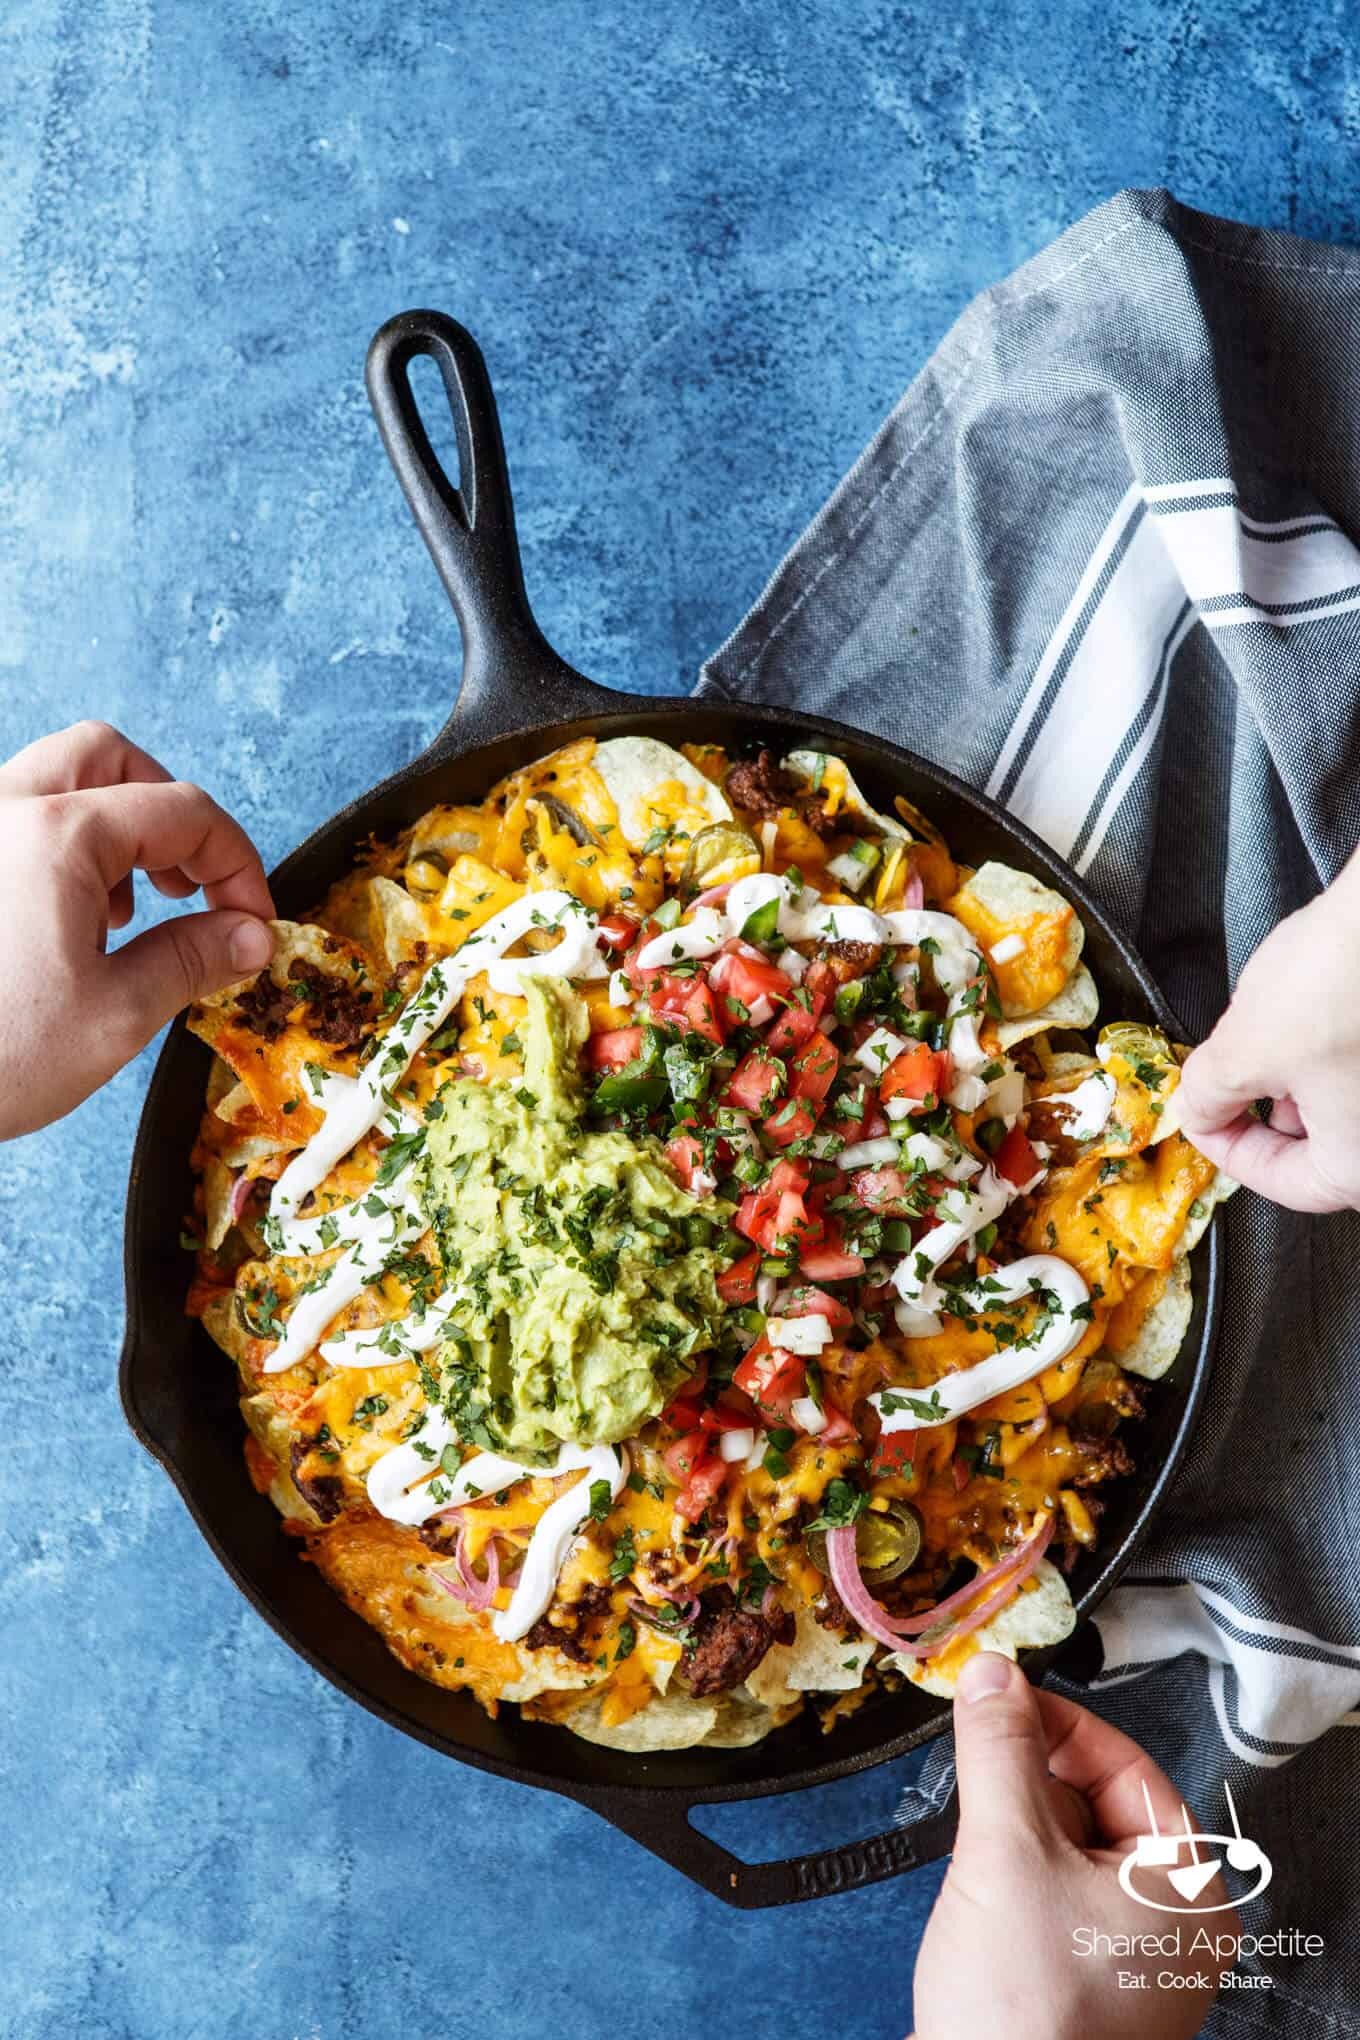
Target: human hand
{"points": [[1050, 1802], [79, 813], [1291, 1034]]}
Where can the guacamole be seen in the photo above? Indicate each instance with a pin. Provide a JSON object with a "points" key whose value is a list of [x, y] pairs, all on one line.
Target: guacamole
{"points": [[582, 1274]]}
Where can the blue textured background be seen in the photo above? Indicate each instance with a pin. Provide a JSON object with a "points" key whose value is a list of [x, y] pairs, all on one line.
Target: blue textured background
{"points": [[704, 249]]}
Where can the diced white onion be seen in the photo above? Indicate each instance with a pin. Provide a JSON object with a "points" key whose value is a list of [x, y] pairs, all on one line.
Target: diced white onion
{"points": [[913, 1323], [965, 1046], [792, 964], [621, 992], [869, 1154], [801, 1335], [766, 1288], [849, 871], [756, 1456], [760, 1012], [961, 1166], [807, 1416], [880, 1049], [924, 1149], [1006, 1097], [1007, 949], [735, 1445], [900, 1107], [769, 832], [967, 1094]]}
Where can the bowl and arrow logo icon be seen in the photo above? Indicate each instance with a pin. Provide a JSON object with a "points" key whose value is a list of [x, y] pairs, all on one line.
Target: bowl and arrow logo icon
{"points": [[1189, 1878]]}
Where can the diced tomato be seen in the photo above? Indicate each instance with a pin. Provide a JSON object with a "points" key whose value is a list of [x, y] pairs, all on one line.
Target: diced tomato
{"points": [[703, 1487], [731, 1412], [798, 1022], [682, 1456], [685, 1154], [701, 1012], [821, 1194], [894, 1450], [773, 1379], [789, 1122], [738, 1283], [838, 1429], [686, 1413], [1015, 1159], [792, 1221], [686, 1003], [637, 977], [821, 981], [882, 1190], [615, 1048], [808, 1301], [617, 930], [829, 1262], [754, 1082], [790, 1029], [742, 979], [790, 1175], [756, 1216], [813, 1070], [919, 1072]]}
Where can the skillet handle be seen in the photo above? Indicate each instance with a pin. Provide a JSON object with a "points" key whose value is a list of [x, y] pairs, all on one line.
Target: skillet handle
{"points": [[662, 1825], [511, 675]]}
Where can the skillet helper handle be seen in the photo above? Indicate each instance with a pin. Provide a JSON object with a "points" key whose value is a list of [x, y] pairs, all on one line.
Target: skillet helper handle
{"points": [[511, 675], [663, 1826]]}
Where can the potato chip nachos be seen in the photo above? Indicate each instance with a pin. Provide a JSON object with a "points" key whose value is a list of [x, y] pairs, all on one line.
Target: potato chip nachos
{"points": [[684, 1254]]}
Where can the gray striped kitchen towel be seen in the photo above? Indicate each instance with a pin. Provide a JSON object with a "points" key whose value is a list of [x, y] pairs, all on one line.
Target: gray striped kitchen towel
{"points": [[1102, 560]]}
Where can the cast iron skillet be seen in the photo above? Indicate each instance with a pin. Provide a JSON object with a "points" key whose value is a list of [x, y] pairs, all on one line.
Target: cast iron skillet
{"points": [[518, 699]]}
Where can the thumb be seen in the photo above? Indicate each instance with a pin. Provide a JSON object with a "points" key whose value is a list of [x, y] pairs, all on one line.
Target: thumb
{"points": [[1001, 1753], [182, 960]]}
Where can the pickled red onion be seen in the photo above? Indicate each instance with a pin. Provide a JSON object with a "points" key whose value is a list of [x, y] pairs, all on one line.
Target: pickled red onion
{"points": [[478, 1594], [996, 1586]]}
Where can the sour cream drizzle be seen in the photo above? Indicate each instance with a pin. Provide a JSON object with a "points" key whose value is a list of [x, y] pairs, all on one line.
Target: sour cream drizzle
{"points": [[399, 1487], [957, 1393], [370, 1230], [353, 1113]]}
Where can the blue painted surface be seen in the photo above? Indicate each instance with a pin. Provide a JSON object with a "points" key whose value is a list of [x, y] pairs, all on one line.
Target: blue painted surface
{"points": [[704, 249]]}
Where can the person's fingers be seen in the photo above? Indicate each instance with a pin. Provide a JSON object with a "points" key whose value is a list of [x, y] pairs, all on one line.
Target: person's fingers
{"points": [[157, 973], [173, 825], [87, 754], [1281, 1167], [121, 903], [1286, 1118], [1107, 1768], [1221, 1077], [171, 883], [1001, 1754]]}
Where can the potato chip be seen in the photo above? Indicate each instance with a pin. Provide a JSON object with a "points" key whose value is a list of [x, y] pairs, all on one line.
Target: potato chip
{"points": [[819, 1660], [1003, 907], [1157, 1339], [655, 789], [378, 914], [742, 1721], [1040, 1614], [1076, 1005], [1217, 1192], [672, 1721], [823, 772]]}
